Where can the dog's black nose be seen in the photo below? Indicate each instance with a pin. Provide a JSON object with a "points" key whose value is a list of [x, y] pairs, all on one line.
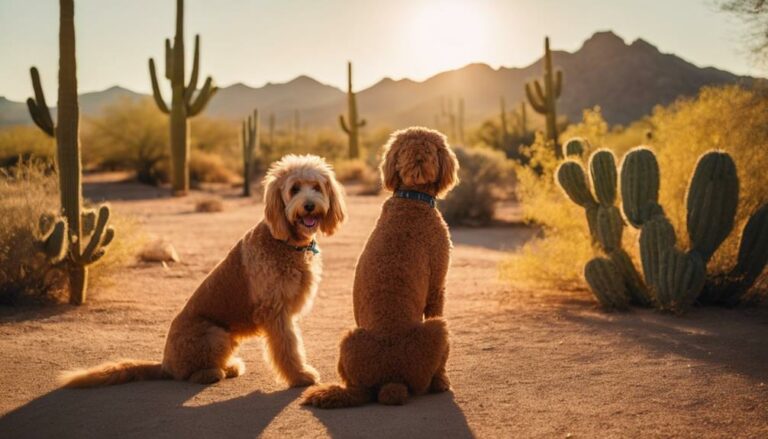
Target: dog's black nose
{"points": [[309, 207]]}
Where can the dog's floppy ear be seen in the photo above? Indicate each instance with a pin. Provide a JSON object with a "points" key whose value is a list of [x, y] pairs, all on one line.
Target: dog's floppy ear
{"points": [[390, 178], [274, 207], [448, 175], [337, 208]]}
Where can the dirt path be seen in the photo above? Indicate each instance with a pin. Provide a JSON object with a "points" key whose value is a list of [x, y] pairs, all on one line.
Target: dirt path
{"points": [[543, 364]]}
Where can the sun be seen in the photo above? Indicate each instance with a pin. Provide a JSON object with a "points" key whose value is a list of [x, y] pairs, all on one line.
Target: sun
{"points": [[441, 35]]}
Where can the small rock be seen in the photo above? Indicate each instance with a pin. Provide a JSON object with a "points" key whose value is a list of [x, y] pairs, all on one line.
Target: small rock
{"points": [[160, 250]]}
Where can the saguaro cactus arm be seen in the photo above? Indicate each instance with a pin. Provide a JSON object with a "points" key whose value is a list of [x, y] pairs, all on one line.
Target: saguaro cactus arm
{"points": [[192, 86], [38, 109], [156, 93], [99, 240], [534, 97], [343, 124], [202, 98]]}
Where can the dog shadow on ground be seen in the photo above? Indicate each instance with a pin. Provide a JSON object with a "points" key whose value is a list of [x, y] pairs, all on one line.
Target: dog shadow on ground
{"points": [[733, 339], [144, 409], [424, 417]]}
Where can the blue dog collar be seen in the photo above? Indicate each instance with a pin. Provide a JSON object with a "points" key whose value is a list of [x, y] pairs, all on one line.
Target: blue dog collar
{"points": [[312, 247], [416, 195]]}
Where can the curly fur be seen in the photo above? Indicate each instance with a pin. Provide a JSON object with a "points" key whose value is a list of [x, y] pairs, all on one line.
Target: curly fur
{"points": [[400, 345], [260, 288]]}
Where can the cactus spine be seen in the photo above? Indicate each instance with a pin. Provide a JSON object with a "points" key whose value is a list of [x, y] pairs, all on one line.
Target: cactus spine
{"points": [[250, 137], [68, 240], [354, 124], [615, 281], [543, 98], [186, 100]]}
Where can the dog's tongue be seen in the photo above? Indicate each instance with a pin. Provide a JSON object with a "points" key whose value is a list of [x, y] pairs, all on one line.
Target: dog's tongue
{"points": [[309, 221]]}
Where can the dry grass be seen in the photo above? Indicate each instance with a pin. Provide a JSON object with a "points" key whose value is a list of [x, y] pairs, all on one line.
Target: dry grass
{"points": [[350, 171], [205, 167], [25, 273]]}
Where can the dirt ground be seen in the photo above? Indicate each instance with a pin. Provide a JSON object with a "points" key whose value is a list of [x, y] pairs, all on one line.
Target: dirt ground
{"points": [[524, 363]]}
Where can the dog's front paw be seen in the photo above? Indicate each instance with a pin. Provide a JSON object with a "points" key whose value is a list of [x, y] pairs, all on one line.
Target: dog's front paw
{"points": [[305, 378]]}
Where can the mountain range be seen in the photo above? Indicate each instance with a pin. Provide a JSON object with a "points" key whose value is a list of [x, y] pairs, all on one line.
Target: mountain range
{"points": [[625, 80]]}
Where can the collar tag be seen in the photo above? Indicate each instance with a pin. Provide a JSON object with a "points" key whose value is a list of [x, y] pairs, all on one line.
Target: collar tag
{"points": [[416, 195]]}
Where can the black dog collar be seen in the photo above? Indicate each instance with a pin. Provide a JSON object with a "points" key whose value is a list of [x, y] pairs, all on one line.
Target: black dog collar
{"points": [[416, 195]]}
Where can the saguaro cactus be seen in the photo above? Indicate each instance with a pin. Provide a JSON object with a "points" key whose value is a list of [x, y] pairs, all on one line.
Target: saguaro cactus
{"points": [[76, 238], [250, 137], [543, 97], [186, 100], [503, 121], [354, 124], [522, 120], [460, 122]]}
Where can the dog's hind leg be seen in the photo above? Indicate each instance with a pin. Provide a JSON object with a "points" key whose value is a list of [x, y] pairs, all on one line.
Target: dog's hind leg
{"points": [[440, 382], [234, 367], [285, 351], [207, 376], [208, 356]]}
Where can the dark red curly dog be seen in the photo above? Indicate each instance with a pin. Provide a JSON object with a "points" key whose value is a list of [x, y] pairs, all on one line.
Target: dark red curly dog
{"points": [[400, 345]]}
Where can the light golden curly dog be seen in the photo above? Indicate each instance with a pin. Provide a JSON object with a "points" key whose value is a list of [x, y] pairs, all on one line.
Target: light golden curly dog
{"points": [[400, 345], [260, 288]]}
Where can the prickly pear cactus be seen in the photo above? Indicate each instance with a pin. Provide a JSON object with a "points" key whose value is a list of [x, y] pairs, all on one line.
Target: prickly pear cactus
{"points": [[604, 219], [605, 280]]}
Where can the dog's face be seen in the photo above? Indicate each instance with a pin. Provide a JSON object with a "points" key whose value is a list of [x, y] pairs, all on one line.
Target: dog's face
{"points": [[301, 197], [419, 159]]}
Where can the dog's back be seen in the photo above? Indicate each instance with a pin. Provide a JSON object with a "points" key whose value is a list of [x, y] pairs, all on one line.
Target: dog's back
{"points": [[404, 261]]}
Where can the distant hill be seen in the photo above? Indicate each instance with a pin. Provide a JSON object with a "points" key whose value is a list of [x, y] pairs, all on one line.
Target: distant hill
{"points": [[626, 80]]}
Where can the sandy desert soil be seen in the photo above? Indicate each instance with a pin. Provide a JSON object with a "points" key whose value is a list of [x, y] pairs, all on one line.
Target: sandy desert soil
{"points": [[524, 362]]}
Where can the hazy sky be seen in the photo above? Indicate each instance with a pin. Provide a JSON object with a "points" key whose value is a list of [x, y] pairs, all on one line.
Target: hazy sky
{"points": [[259, 41]]}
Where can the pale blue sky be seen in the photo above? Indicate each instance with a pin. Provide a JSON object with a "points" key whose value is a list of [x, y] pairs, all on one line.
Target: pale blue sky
{"points": [[259, 41]]}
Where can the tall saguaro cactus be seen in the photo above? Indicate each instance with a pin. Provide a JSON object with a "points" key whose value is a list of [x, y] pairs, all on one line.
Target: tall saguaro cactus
{"points": [[352, 124], [543, 97], [87, 234], [186, 100], [250, 139], [504, 125]]}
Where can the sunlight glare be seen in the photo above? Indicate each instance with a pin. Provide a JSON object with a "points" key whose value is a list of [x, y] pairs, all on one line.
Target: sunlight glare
{"points": [[447, 34]]}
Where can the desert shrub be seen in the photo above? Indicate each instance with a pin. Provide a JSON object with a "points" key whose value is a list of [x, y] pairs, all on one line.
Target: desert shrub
{"points": [[209, 205], [205, 167], [130, 134], [350, 171], [28, 192], [27, 142], [218, 137], [485, 178], [731, 118]]}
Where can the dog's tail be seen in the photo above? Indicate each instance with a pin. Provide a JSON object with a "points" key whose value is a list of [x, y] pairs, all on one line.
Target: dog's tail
{"points": [[334, 396], [393, 394], [112, 373]]}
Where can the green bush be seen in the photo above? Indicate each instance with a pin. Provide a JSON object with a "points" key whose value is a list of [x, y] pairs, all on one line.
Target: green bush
{"points": [[28, 192], [485, 176]]}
